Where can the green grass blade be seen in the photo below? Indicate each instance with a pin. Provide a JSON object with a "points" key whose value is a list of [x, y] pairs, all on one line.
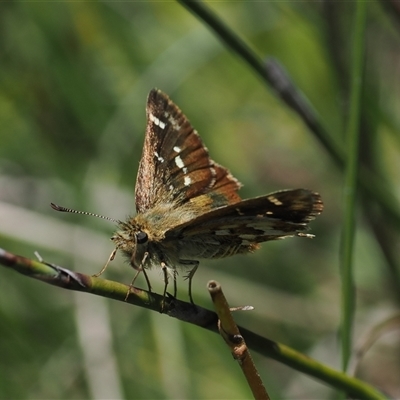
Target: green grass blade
{"points": [[350, 186]]}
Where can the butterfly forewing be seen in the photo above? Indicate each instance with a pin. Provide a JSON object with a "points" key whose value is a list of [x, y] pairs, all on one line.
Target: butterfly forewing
{"points": [[175, 166]]}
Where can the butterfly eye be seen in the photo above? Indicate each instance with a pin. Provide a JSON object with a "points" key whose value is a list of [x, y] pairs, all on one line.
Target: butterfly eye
{"points": [[141, 237]]}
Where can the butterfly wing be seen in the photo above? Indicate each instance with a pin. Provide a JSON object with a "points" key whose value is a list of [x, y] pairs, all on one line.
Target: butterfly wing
{"points": [[175, 167], [238, 228]]}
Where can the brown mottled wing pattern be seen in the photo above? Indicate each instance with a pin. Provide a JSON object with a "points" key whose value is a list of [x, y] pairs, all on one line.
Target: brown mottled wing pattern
{"points": [[175, 166], [238, 228]]}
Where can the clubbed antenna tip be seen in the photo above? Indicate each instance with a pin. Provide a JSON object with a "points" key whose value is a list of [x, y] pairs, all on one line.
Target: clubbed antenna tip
{"points": [[70, 210]]}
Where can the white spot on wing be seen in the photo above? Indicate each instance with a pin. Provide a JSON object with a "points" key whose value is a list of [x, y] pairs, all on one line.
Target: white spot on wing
{"points": [[159, 158], [156, 121], [174, 123], [179, 162], [213, 177], [274, 200], [177, 149]]}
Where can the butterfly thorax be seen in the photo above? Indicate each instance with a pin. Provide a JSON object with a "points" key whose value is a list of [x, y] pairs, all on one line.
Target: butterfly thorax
{"points": [[142, 238]]}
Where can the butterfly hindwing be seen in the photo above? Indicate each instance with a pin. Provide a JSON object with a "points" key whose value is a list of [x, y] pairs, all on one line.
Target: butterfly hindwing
{"points": [[240, 227]]}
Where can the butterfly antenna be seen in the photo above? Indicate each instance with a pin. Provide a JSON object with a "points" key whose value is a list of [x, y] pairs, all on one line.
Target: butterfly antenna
{"points": [[70, 210]]}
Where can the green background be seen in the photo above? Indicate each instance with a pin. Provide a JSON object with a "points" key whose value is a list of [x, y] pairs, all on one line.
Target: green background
{"points": [[74, 78]]}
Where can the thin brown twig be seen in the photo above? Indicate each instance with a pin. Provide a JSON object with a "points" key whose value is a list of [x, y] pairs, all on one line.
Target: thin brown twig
{"points": [[230, 333]]}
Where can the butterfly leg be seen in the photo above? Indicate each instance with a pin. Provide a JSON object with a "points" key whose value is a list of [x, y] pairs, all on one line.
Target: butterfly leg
{"points": [[164, 269], [147, 279], [175, 287], [131, 284], [139, 270], [190, 275], [112, 256]]}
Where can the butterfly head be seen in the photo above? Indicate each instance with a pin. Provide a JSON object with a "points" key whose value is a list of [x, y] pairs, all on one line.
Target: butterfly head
{"points": [[133, 242]]}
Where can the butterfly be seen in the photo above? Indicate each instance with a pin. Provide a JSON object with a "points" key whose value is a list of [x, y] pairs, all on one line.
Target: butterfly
{"points": [[188, 206]]}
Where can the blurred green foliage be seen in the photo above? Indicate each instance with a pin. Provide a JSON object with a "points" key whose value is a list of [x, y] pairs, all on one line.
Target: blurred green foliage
{"points": [[74, 77]]}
